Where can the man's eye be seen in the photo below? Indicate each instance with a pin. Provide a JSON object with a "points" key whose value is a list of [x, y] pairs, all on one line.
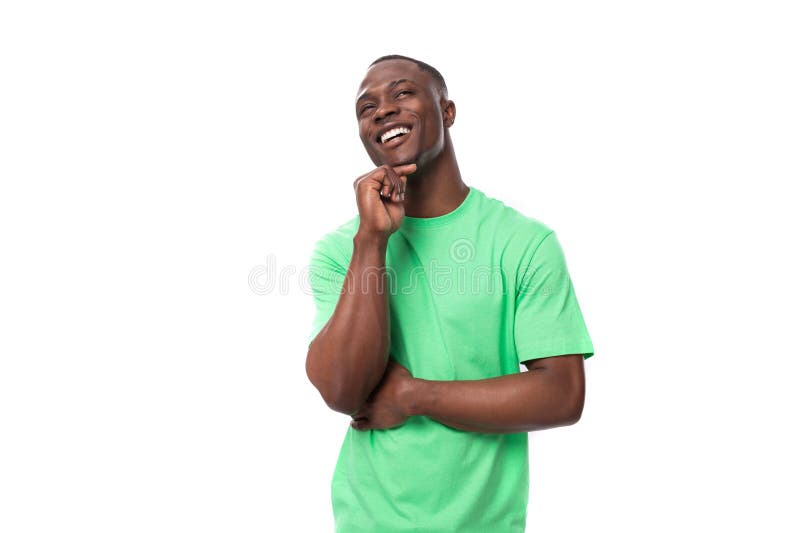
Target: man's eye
{"points": [[365, 108], [403, 92]]}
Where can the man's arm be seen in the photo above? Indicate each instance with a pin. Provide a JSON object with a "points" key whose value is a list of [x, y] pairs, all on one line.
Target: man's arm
{"points": [[550, 394], [348, 357]]}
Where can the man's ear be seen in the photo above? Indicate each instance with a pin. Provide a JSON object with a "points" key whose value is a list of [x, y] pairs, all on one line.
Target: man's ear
{"points": [[448, 112]]}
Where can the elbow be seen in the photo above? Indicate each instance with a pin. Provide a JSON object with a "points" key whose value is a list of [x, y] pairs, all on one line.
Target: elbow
{"points": [[568, 415], [339, 399], [575, 400], [573, 415], [336, 395], [574, 391], [342, 403]]}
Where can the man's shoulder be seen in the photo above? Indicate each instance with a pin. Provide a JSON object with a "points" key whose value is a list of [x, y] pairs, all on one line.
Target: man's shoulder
{"points": [[518, 225], [338, 241]]}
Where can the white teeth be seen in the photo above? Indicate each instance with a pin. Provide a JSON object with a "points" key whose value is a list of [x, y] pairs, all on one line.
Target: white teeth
{"points": [[391, 133]]}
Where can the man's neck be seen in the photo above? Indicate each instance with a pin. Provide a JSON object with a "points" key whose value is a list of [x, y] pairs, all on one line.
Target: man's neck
{"points": [[436, 189]]}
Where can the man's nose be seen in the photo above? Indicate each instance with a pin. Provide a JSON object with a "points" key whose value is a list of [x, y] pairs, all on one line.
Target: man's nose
{"points": [[384, 110]]}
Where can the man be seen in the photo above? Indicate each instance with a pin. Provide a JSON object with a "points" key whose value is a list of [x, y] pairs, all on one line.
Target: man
{"points": [[428, 301]]}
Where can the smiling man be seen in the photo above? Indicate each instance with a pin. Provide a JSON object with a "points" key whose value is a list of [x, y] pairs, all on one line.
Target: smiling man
{"points": [[429, 303]]}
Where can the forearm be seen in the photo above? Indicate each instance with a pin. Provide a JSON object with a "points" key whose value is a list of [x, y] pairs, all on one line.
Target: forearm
{"points": [[348, 357], [523, 402]]}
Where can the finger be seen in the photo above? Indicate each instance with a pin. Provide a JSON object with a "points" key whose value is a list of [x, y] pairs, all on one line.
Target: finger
{"points": [[402, 181], [380, 182], [376, 179], [405, 169], [386, 182], [359, 179], [391, 184], [395, 179], [396, 185]]}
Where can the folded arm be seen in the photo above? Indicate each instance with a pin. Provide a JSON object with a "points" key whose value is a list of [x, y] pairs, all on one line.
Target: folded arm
{"points": [[348, 357], [550, 394]]}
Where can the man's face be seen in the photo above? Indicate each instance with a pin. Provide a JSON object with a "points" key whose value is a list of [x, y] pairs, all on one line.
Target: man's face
{"points": [[399, 112]]}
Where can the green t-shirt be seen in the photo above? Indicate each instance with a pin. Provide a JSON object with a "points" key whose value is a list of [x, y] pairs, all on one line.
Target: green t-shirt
{"points": [[472, 294]]}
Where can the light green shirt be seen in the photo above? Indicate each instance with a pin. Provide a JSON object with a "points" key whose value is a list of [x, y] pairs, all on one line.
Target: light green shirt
{"points": [[472, 294]]}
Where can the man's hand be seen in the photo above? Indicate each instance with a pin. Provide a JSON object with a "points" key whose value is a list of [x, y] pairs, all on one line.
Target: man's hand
{"points": [[380, 194], [389, 404]]}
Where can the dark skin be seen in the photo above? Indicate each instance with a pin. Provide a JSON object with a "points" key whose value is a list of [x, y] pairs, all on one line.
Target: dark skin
{"points": [[349, 361]]}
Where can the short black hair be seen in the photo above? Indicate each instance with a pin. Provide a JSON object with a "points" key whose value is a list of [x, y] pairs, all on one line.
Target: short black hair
{"points": [[422, 65]]}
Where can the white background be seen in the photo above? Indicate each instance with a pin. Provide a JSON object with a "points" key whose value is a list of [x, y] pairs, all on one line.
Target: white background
{"points": [[153, 154]]}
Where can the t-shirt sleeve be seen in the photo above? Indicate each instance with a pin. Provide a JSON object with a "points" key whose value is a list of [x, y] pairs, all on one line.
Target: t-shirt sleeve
{"points": [[548, 320], [326, 276]]}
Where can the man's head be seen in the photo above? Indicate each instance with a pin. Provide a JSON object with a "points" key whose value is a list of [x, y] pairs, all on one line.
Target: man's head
{"points": [[403, 111]]}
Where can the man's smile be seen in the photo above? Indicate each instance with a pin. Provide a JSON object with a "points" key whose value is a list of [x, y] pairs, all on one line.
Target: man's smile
{"points": [[393, 134]]}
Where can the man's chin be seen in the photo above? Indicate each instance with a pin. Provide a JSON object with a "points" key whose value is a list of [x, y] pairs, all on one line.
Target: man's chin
{"points": [[407, 161], [401, 160]]}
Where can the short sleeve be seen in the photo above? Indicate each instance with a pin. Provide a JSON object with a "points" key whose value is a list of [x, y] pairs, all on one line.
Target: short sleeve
{"points": [[326, 277], [547, 319]]}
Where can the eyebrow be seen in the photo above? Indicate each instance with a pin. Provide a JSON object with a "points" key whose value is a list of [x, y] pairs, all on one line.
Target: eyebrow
{"points": [[391, 84]]}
